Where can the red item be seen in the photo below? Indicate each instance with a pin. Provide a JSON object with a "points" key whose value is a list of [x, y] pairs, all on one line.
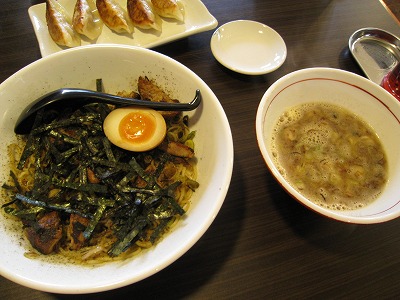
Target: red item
{"points": [[391, 82]]}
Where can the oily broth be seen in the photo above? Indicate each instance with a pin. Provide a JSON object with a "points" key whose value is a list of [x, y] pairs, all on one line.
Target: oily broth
{"points": [[330, 156]]}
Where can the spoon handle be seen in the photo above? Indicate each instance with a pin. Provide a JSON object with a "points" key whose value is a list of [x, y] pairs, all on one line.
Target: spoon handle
{"points": [[88, 96]]}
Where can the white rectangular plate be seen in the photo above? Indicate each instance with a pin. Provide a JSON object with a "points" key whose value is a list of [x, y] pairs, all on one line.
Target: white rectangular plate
{"points": [[197, 19]]}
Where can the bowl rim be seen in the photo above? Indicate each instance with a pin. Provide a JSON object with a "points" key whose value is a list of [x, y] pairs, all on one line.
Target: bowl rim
{"points": [[322, 73]]}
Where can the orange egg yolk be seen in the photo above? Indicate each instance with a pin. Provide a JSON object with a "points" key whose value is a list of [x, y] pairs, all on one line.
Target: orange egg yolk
{"points": [[136, 127]]}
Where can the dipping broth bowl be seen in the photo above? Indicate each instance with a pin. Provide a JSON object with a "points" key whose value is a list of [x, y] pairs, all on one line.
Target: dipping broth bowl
{"points": [[356, 94]]}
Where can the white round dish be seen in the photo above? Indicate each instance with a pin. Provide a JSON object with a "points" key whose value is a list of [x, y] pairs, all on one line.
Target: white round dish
{"points": [[119, 67], [248, 47], [358, 95]]}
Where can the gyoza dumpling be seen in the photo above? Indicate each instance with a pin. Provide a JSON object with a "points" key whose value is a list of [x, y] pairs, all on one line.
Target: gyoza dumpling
{"points": [[60, 26], [113, 15], [86, 19], [169, 9], [142, 14]]}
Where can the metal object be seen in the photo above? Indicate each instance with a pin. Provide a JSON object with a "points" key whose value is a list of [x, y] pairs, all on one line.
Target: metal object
{"points": [[376, 51]]}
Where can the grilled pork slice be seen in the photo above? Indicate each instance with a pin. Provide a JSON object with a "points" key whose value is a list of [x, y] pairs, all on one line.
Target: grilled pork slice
{"points": [[76, 227], [45, 234]]}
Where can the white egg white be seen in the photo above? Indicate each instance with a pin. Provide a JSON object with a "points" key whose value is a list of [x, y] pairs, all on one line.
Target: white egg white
{"points": [[112, 122]]}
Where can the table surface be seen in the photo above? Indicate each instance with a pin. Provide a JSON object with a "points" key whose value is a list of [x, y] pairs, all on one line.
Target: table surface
{"points": [[262, 243]]}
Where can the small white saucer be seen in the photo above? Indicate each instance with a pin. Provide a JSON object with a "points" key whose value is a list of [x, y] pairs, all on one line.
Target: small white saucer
{"points": [[248, 47]]}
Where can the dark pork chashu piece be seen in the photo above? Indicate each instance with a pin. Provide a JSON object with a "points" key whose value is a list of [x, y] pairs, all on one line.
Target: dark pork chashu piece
{"points": [[45, 233]]}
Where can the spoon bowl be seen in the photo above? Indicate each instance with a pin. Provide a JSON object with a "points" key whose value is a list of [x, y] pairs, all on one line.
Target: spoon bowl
{"points": [[62, 97]]}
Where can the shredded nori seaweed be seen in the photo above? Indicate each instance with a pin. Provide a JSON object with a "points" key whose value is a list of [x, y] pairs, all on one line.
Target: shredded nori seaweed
{"points": [[65, 149]]}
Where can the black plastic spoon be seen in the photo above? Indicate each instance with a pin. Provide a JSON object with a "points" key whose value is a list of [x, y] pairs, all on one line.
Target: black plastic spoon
{"points": [[60, 99]]}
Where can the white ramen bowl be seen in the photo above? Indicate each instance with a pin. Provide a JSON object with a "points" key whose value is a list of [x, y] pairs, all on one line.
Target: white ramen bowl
{"points": [[358, 95], [119, 67]]}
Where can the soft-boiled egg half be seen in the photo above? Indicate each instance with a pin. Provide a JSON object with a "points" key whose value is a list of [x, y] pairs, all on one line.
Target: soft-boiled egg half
{"points": [[135, 129]]}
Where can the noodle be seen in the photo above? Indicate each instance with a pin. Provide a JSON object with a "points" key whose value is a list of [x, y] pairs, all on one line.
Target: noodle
{"points": [[112, 205]]}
